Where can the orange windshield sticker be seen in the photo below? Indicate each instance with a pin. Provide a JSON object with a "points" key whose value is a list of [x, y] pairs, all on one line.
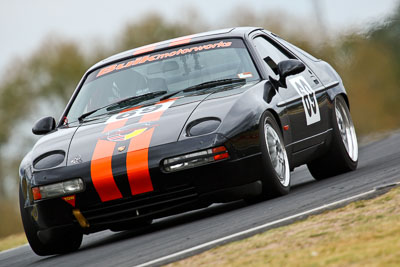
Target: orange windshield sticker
{"points": [[145, 49], [181, 40], [106, 70], [160, 56]]}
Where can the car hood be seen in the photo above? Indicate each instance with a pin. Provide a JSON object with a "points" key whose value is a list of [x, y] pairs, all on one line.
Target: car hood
{"points": [[143, 127], [133, 129]]}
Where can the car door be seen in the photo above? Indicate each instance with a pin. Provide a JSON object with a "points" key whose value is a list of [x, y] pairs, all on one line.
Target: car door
{"points": [[307, 110]]}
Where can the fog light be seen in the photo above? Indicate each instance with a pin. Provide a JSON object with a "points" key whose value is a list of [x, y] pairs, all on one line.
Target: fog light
{"points": [[58, 189], [195, 159]]}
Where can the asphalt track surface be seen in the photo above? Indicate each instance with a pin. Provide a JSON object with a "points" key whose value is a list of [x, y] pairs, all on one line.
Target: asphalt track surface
{"points": [[378, 166]]}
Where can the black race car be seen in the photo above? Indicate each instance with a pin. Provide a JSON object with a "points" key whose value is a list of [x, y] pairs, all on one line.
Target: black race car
{"points": [[178, 125]]}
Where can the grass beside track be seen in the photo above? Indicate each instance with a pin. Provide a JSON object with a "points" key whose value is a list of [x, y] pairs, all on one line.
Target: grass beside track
{"points": [[12, 241], [363, 233]]}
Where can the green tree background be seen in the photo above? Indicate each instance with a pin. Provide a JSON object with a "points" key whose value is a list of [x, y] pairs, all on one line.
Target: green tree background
{"points": [[368, 62]]}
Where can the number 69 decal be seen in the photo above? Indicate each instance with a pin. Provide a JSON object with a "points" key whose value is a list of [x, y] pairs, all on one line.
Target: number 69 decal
{"points": [[140, 111], [311, 108]]}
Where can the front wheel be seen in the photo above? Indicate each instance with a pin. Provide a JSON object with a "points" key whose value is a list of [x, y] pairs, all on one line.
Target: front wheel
{"points": [[343, 154], [66, 242], [276, 171]]}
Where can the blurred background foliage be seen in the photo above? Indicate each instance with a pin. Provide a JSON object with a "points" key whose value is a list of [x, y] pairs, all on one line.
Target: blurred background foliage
{"points": [[41, 84]]}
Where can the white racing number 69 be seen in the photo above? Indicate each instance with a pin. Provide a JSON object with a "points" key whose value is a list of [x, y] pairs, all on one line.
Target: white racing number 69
{"points": [[140, 111], [310, 104]]}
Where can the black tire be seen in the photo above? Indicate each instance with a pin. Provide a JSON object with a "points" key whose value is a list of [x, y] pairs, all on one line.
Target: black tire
{"points": [[272, 184], [67, 242], [337, 160]]}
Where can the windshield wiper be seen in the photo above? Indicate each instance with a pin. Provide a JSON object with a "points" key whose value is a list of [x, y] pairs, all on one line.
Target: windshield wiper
{"points": [[120, 103], [214, 83], [206, 85]]}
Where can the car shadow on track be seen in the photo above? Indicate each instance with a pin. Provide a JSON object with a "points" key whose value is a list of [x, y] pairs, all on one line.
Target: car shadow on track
{"points": [[168, 222], [180, 219]]}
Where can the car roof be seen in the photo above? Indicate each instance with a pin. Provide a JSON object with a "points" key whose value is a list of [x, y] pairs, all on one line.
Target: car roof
{"points": [[241, 32]]}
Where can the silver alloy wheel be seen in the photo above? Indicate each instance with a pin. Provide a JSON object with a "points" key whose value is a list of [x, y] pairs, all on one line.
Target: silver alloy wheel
{"points": [[346, 129], [277, 154]]}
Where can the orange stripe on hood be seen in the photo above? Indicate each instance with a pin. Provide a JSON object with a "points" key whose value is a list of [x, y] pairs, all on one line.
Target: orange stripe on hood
{"points": [[101, 171], [100, 166], [137, 158], [137, 163]]}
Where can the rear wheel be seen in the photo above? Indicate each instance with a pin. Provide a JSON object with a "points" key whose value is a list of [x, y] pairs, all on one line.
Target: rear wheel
{"points": [[66, 242], [276, 171], [343, 154]]}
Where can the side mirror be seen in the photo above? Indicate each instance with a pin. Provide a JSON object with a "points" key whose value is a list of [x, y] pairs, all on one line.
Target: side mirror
{"points": [[44, 126], [289, 67]]}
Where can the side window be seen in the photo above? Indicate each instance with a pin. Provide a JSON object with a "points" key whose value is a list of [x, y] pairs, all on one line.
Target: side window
{"points": [[297, 49], [270, 54]]}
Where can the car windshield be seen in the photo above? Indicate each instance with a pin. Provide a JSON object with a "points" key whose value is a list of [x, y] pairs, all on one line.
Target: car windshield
{"points": [[168, 71]]}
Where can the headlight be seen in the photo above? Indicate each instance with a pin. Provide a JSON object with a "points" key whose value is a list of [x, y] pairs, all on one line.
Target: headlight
{"points": [[195, 159], [58, 189], [203, 126], [49, 160]]}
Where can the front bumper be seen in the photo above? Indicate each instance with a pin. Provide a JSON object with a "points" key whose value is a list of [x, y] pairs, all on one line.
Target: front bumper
{"points": [[226, 180]]}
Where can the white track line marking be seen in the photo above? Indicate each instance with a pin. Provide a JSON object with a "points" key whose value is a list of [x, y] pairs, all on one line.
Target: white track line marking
{"points": [[254, 229]]}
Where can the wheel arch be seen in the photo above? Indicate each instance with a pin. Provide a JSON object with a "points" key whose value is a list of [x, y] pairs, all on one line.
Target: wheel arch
{"points": [[336, 91], [277, 119], [346, 99]]}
